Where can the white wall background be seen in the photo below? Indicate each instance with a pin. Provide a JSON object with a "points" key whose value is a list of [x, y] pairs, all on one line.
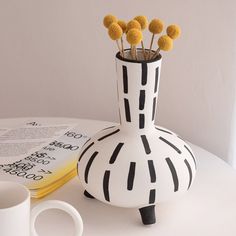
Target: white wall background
{"points": [[56, 60]]}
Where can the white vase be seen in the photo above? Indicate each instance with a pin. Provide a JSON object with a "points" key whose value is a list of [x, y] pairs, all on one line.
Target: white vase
{"points": [[136, 164]]}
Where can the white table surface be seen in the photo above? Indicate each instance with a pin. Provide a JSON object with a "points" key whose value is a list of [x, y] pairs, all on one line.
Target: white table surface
{"points": [[208, 209]]}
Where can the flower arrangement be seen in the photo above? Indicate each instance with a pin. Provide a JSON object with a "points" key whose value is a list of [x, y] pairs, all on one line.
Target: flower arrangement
{"points": [[117, 29], [137, 164]]}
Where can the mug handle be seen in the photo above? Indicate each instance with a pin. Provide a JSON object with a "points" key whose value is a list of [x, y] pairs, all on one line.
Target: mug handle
{"points": [[55, 204]]}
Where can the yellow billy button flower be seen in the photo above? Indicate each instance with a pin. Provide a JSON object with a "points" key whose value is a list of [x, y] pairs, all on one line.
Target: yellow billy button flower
{"points": [[156, 26], [115, 31], [143, 21], [133, 24], [108, 20], [134, 36], [122, 24], [165, 43], [173, 31]]}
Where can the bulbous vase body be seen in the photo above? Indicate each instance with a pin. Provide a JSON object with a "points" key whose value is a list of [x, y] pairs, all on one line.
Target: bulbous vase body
{"points": [[136, 164]]}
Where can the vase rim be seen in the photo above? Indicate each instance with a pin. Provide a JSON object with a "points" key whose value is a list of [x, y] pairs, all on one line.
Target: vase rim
{"points": [[159, 57]]}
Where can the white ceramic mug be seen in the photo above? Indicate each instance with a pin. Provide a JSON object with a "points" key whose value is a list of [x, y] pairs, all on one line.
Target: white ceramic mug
{"points": [[15, 217]]}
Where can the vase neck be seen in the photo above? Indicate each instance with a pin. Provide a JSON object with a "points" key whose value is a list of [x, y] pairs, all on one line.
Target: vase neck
{"points": [[138, 85]]}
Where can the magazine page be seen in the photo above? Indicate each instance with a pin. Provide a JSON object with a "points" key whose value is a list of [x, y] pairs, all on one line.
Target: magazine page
{"points": [[23, 140], [42, 155]]}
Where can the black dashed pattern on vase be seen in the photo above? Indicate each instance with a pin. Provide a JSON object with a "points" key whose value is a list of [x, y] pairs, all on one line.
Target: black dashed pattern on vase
{"points": [[154, 108], [164, 131], [156, 79], [107, 135], [191, 156], [152, 196], [125, 79], [85, 150], [131, 175], [127, 110], [173, 173], [86, 173], [106, 185], [141, 99], [152, 171], [141, 121], [137, 102], [145, 144], [144, 73], [189, 171], [116, 152], [170, 144]]}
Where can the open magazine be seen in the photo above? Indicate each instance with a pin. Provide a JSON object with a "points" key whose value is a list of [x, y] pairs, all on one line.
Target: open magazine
{"points": [[42, 157]]}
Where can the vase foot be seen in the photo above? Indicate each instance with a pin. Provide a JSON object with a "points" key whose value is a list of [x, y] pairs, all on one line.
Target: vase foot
{"points": [[88, 195], [148, 215]]}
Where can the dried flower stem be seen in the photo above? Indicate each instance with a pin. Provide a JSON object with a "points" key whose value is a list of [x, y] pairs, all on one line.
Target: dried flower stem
{"points": [[122, 46], [132, 51], [118, 45], [143, 48], [151, 46], [135, 53], [157, 52]]}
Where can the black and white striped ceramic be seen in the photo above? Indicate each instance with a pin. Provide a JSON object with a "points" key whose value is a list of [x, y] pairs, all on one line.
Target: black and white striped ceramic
{"points": [[136, 164]]}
